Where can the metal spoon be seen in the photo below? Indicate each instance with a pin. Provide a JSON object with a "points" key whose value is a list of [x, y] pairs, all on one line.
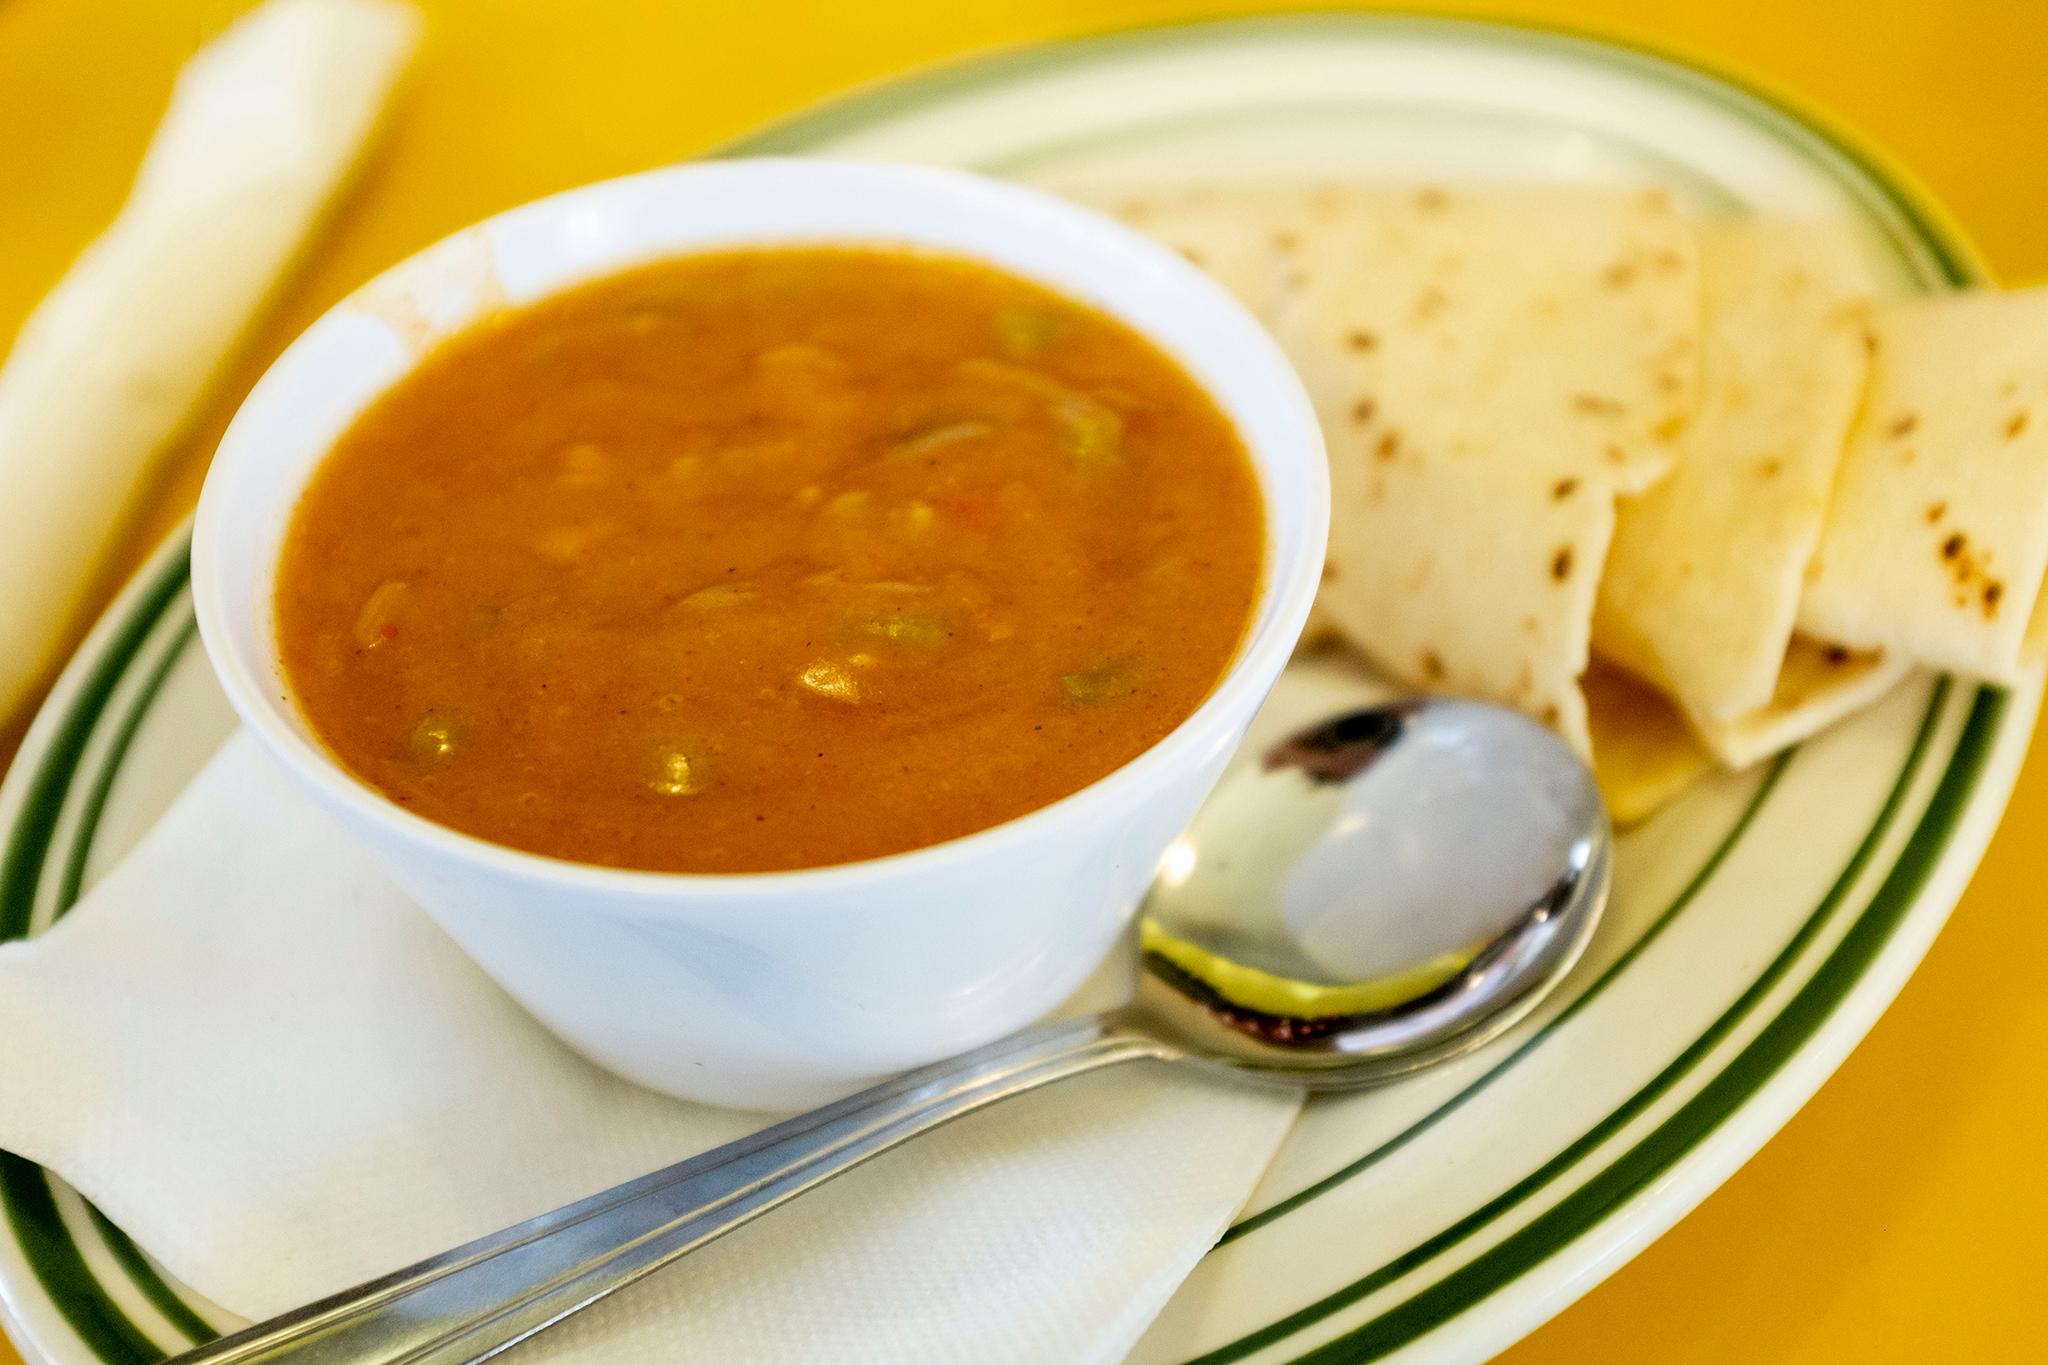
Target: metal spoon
{"points": [[1379, 892]]}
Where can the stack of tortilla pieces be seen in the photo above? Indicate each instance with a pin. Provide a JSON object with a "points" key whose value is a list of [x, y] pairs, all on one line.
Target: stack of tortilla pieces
{"points": [[1688, 491]]}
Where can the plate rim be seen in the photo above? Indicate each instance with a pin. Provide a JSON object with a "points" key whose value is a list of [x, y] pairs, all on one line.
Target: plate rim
{"points": [[1743, 1128]]}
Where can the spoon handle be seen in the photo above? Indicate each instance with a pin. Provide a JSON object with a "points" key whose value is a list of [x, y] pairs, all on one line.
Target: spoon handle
{"points": [[474, 1301]]}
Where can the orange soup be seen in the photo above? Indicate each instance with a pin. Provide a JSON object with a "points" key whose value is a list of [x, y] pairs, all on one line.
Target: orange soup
{"points": [[769, 559]]}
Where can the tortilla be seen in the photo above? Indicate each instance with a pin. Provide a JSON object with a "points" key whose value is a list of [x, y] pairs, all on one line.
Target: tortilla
{"points": [[1489, 366], [1447, 597], [2033, 645], [1937, 539], [1703, 581], [1228, 231], [1462, 346], [1574, 310], [263, 126], [1560, 324], [1817, 686], [1488, 369], [1644, 753]]}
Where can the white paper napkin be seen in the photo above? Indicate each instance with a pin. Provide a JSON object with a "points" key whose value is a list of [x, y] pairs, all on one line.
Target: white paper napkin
{"points": [[264, 127], [278, 1076]]}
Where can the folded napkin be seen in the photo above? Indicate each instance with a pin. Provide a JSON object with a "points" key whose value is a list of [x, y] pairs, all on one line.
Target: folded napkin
{"points": [[281, 1078], [263, 129]]}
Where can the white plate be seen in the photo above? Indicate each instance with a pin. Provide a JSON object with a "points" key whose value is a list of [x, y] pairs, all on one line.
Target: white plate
{"points": [[1759, 926]]}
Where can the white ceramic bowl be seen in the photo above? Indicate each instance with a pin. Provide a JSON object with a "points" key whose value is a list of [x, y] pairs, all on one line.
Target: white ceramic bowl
{"points": [[771, 989]]}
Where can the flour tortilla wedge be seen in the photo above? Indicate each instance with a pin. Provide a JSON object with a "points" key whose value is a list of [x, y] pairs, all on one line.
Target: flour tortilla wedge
{"points": [[1560, 325], [1644, 753], [1439, 583], [1572, 311], [1817, 685], [1228, 231], [1936, 541], [2034, 644], [1439, 402], [1703, 582], [1488, 368], [263, 127]]}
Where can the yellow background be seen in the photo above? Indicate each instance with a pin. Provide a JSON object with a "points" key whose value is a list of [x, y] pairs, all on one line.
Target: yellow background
{"points": [[1901, 1215]]}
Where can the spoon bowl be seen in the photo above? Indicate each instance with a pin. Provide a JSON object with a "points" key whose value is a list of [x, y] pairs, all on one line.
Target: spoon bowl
{"points": [[1378, 892]]}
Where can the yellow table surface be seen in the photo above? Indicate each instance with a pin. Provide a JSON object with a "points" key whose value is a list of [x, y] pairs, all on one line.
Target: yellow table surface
{"points": [[1900, 1215]]}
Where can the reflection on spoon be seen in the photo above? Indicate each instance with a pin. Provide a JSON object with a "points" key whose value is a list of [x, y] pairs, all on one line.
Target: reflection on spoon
{"points": [[1395, 883]]}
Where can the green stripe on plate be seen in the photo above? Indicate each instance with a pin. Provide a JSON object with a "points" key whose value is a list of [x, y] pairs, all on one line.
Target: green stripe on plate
{"points": [[1781, 1039], [1361, 1343], [60, 1268], [145, 1277], [35, 823], [31, 1210], [120, 1246], [73, 877]]}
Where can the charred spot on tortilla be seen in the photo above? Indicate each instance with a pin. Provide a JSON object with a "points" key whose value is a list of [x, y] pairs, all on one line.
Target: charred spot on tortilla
{"points": [[1561, 564], [1563, 489]]}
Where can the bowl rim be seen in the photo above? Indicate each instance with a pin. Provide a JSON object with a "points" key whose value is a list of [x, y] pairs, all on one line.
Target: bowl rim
{"points": [[1286, 593]]}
